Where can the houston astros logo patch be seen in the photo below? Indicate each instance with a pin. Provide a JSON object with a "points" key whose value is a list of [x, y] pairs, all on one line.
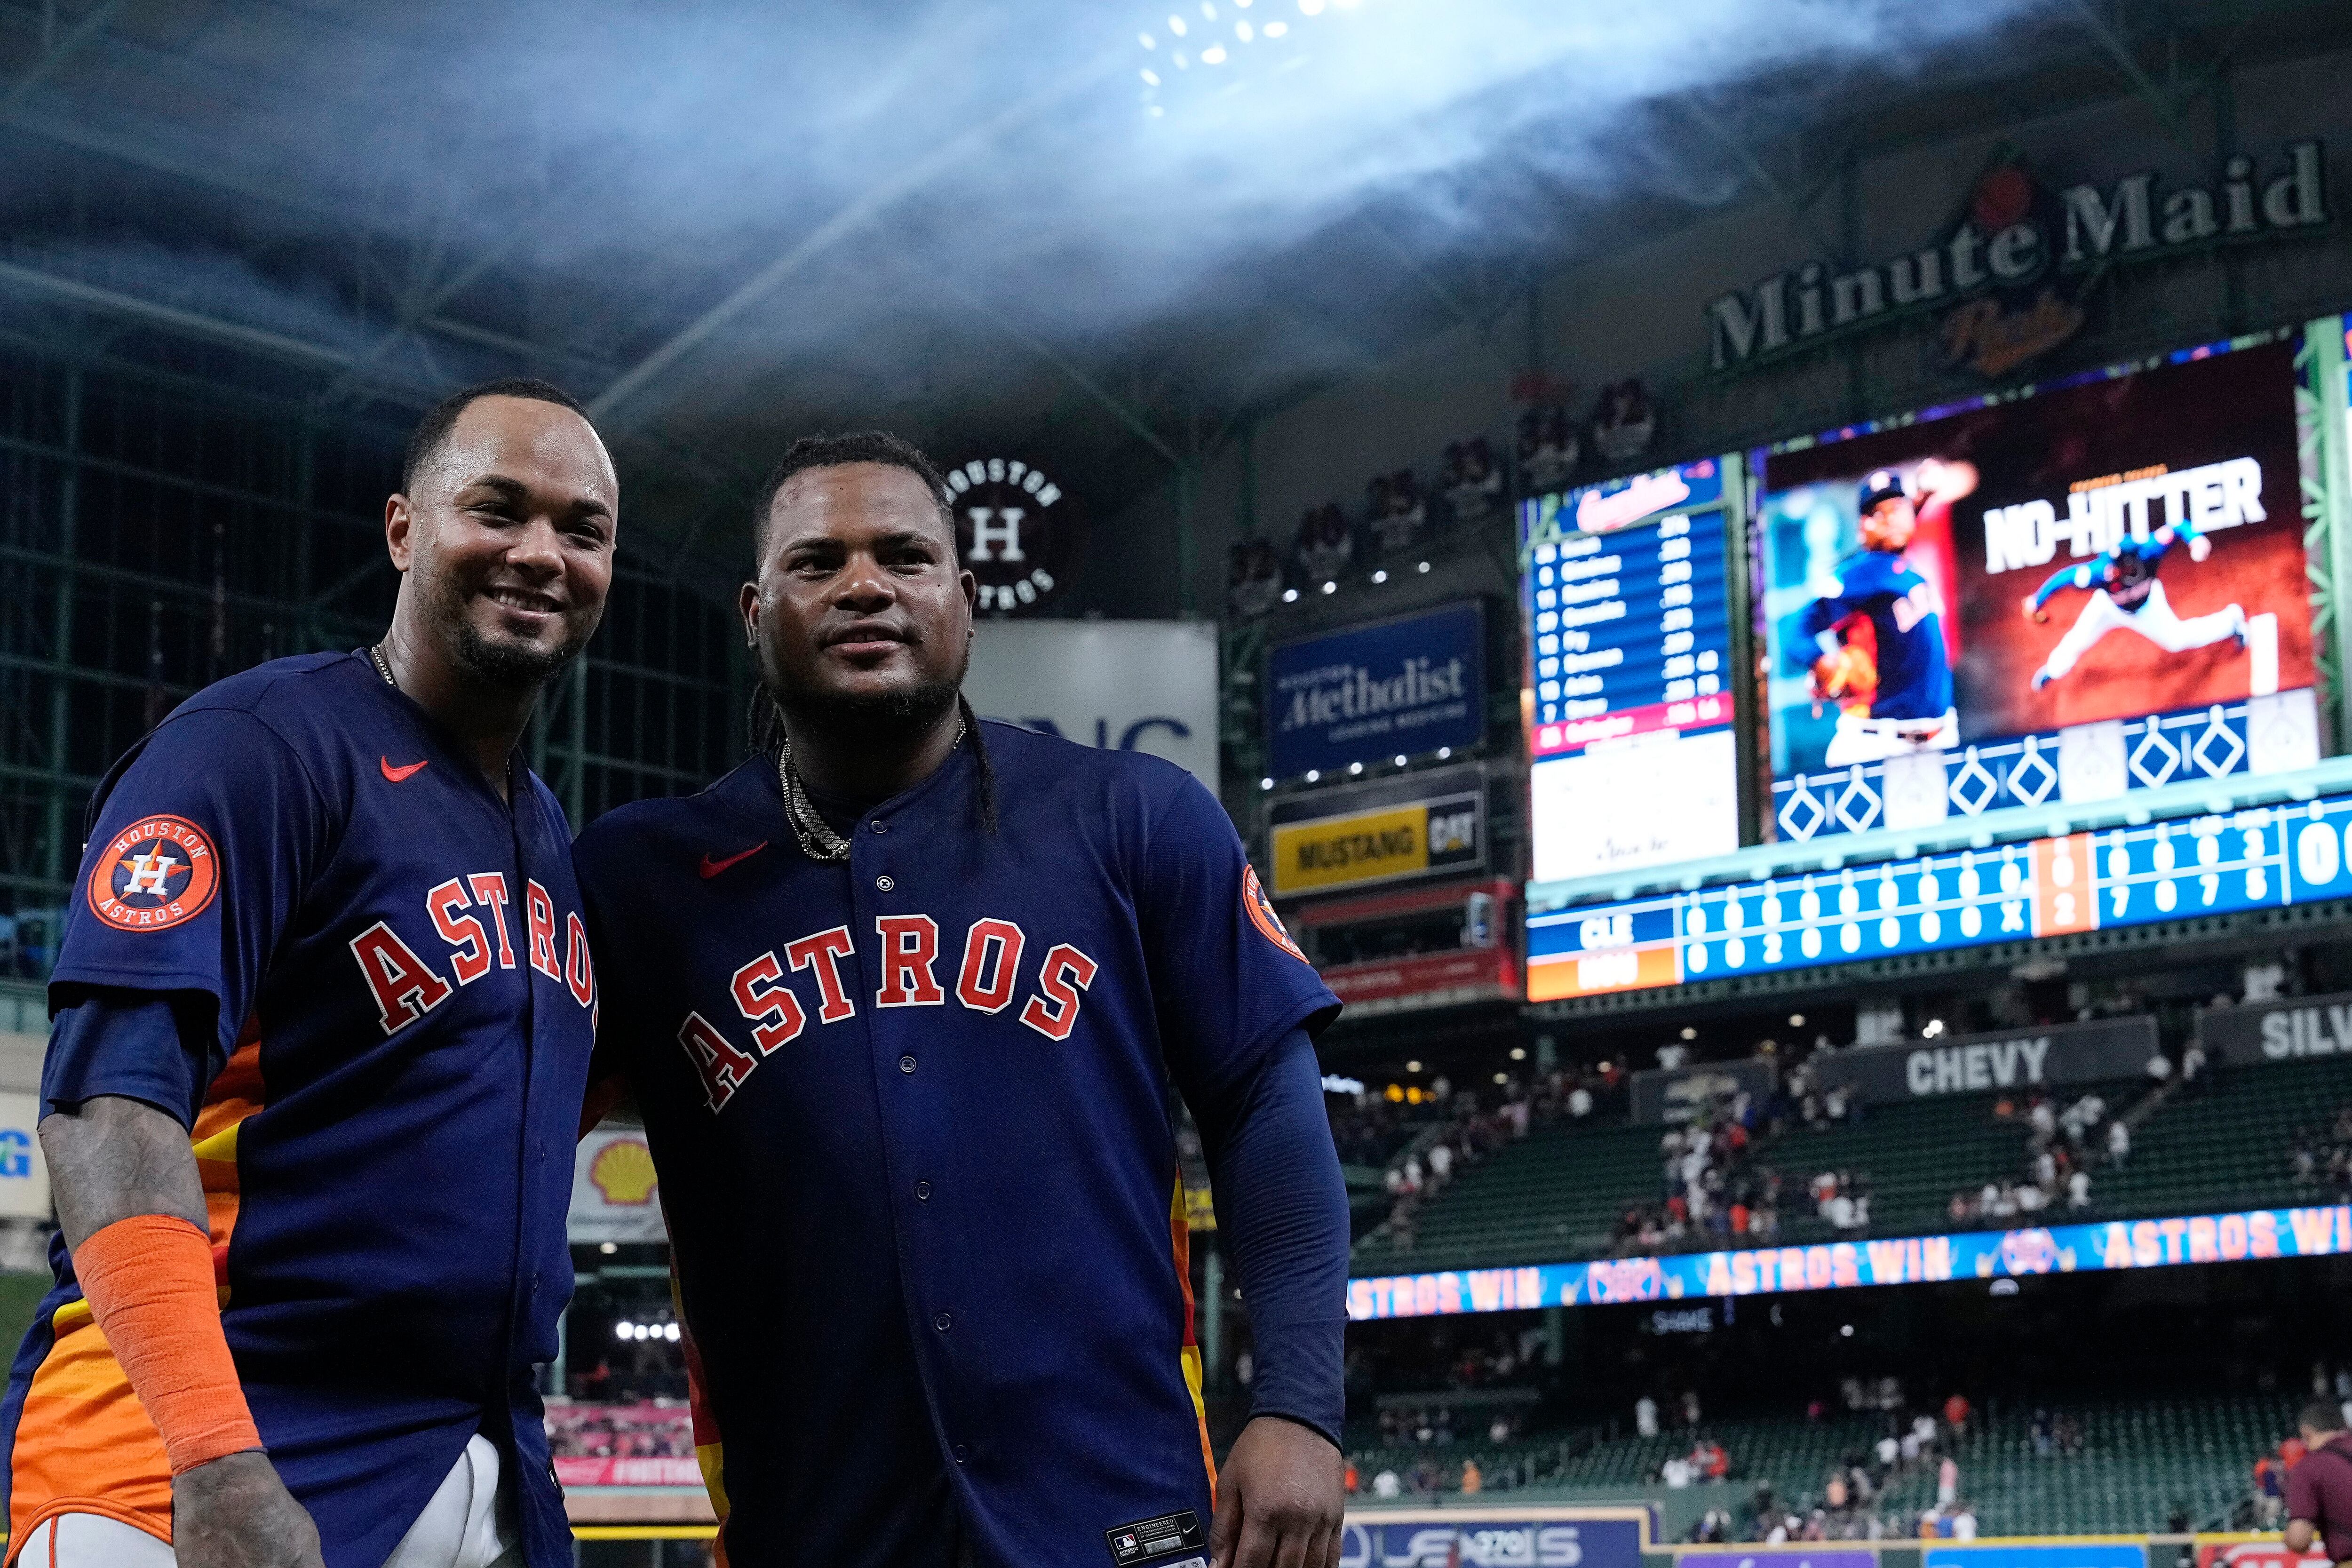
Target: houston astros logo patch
{"points": [[1261, 915], [157, 873]]}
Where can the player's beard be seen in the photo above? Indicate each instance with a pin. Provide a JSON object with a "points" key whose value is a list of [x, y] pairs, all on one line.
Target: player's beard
{"points": [[868, 716], [501, 664]]}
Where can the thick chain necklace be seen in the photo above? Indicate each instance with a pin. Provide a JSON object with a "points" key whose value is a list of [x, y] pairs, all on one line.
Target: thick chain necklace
{"points": [[383, 665], [818, 840]]}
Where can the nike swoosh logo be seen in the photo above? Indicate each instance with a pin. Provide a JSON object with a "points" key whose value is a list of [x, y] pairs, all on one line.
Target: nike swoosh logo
{"points": [[711, 868], [399, 775]]}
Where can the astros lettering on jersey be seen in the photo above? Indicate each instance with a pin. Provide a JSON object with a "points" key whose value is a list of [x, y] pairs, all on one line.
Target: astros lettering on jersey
{"points": [[400, 998], [913, 1115]]}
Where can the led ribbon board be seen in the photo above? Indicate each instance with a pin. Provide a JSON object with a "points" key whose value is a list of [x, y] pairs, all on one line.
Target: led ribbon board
{"points": [[2269, 855], [1847, 1265]]}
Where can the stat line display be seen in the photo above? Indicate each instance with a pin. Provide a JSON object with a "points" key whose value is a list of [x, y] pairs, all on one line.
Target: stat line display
{"points": [[2216, 864], [1626, 591]]}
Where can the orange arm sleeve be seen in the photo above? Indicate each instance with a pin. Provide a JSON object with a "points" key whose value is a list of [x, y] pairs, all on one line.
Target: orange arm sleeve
{"points": [[149, 1282]]}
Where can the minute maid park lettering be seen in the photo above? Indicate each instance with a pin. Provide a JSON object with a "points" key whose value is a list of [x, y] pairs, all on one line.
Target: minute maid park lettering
{"points": [[2134, 219]]}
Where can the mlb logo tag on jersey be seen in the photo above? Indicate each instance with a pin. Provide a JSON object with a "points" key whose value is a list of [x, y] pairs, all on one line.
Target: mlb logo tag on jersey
{"points": [[1149, 1538], [157, 873]]}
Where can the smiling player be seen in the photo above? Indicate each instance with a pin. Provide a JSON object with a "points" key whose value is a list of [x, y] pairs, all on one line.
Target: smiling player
{"points": [[907, 1000], [323, 1013]]}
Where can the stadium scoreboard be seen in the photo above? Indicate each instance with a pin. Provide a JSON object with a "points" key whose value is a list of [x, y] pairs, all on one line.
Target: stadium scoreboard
{"points": [[2213, 864], [1630, 708]]}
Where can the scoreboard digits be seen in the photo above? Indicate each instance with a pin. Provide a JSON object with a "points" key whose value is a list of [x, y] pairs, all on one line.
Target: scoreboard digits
{"points": [[2048, 886]]}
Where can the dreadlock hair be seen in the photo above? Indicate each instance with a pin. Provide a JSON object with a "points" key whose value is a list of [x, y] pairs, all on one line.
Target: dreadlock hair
{"points": [[764, 723]]}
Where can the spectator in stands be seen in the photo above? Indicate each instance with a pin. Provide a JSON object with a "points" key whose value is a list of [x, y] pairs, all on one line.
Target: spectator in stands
{"points": [[1956, 1416], [1947, 1483], [2043, 1434], [2118, 1142], [1964, 1523], [2193, 1076], [1472, 1481], [2078, 1189], [1646, 1417], [1690, 1407], [1386, 1487], [2043, 1118], [1676, 1472]]}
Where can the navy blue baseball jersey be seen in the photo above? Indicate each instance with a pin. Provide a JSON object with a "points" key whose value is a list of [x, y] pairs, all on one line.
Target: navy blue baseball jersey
{"points": [[912, 1115], [1914, 679], [386, 1006]]}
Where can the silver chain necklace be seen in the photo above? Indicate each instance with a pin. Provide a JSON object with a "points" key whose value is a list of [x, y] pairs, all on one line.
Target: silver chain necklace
{"points": [[383, 665], [818, 841]]}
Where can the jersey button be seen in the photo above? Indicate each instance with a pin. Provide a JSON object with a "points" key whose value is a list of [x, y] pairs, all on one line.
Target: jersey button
{"points": [[906, 1064], [923, 1191], [879, 827], [961, 1453], [884, 884], [942, 1322]]}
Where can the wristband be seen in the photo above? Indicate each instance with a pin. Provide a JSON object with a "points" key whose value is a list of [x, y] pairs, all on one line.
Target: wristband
{"points": [[150, 1284]]}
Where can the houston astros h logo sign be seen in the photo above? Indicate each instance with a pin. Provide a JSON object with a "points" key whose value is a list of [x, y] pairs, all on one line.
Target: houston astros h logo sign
{"points": [[1015, 531], [157, 873]]}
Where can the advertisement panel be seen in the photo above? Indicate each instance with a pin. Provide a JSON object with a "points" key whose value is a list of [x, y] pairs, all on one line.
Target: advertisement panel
{"points": [[1626, 591], [24, 1173], [1131, 686], [614, 1195], [1525, 1537], [1679, 1095], [1425, 947], [1974, 1064], [2220, 863], [2036, 1554], [2063, 597], [2239, 1551], [1403, 688], [1400, 830], [629, 1472], [2250, 1234], [2284, 1031]]}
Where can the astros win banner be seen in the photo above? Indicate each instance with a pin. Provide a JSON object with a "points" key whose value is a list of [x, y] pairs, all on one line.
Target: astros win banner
{"points": [[2071, 564]]}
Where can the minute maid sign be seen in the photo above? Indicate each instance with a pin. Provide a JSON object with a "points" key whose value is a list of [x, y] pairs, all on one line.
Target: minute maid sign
{"points": [[2009, 271]]}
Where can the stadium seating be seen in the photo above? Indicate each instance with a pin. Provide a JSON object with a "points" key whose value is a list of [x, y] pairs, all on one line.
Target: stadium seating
{"points": [[2229, 1148], [2138, 1462], [1554, 1193]]}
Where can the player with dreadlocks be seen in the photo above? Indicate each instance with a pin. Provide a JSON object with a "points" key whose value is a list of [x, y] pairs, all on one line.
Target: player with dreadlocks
{"points": [[907, 1001]]}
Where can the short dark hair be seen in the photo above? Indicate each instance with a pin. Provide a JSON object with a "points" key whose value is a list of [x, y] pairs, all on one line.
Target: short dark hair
{"points": [[2321, 1415], [424, 442], [833, 452]]}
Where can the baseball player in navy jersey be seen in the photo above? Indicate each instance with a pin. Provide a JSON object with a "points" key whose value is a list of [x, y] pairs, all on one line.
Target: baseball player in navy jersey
{"points": [[1897, 697], [907, 1000], [2125, 593], [323, 1013]]}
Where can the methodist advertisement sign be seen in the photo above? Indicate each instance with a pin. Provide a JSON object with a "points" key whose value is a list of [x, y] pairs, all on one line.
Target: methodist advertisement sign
{"points": [[1524, 1537], [2283, 1031], [2021, 601], [1626, 589], [1397, 831], [1127, 686], [1406, 688], [1848, 1264], [1974, 1064]]}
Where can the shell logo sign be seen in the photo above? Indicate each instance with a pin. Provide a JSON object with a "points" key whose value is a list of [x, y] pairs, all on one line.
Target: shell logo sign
{"points": [[622, 1171]]}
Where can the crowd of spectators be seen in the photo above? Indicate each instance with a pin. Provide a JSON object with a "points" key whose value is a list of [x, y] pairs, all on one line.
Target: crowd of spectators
{"points": [[1712, 1189], [1466, 1129], [1852, 1502], [2061, 1146], [652, 1429]]}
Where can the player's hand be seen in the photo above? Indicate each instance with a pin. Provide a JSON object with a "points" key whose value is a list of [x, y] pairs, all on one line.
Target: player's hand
{"points": [[1279, 1498], [2199, 548], [235, 1513]]}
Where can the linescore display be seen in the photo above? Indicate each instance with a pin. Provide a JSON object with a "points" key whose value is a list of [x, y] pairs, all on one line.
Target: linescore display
{"points": [[2255, 1233], [2271, 854]]}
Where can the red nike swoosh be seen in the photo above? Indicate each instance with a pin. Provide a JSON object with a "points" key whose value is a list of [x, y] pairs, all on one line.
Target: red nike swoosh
{"points": [[711, 868], [399, 774]]}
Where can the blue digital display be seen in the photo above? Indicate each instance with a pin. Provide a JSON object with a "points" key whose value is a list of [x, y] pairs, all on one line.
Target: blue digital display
{"points": [[2215, 864]]}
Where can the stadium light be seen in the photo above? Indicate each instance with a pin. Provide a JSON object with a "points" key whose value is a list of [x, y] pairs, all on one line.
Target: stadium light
{"points": [[610, 1247], [1443, 753], [1354, 768], [1313, 773], [1265, 783], [1215, 39], [1796, 1020], [1412, 1067], [1423, 567], [621, 1330], [1400, 759], [1381, 576], [1290, 596], [1330, 587], [1518, 1053]]}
